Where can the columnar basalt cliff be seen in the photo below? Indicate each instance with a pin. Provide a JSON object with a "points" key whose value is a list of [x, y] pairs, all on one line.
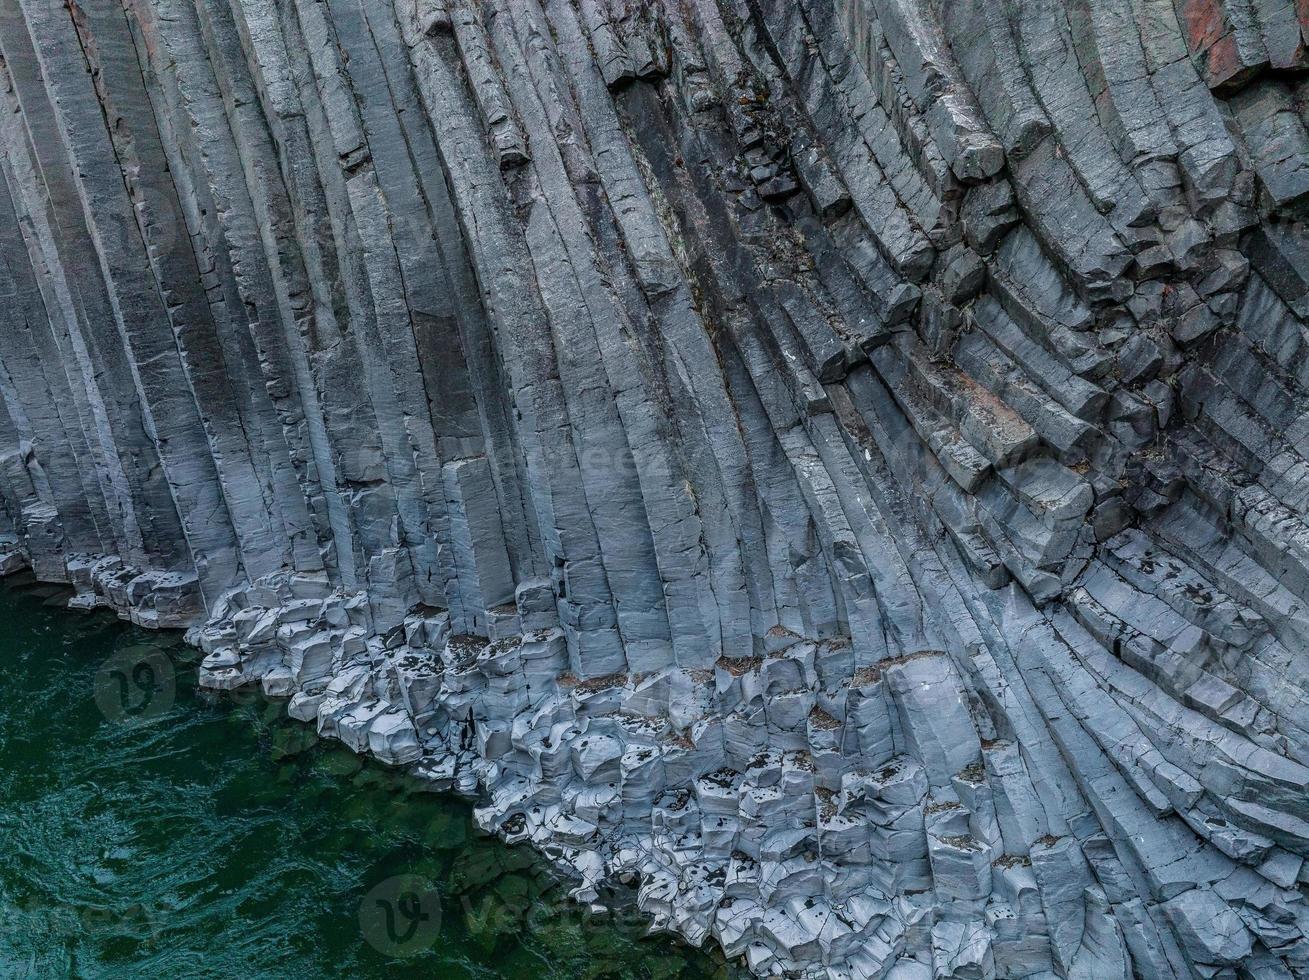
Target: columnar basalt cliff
{"points": [[843, 463]]}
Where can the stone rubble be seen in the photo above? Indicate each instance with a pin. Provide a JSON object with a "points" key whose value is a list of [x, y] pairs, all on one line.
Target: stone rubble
{"points": [[839, 465]]}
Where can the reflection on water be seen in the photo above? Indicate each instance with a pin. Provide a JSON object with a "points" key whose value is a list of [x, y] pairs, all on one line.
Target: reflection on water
{"points": [[149, 830]]}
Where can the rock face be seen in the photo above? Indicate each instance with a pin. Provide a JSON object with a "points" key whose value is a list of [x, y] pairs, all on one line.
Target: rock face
{"points": [[843, 462]]}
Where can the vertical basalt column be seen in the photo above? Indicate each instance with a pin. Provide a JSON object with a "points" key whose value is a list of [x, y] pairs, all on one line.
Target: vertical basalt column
{"points": [[210, 360], [28, 500], [35, 388], [122, 236], [271, 260], [477, 540], [483, 199], [260, 409], [138, 501], [360, 501], [380, 322]]}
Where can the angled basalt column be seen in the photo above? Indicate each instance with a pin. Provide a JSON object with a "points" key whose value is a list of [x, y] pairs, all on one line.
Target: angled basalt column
{"points": [[844, 463], [1230, 38], [930, 76]]}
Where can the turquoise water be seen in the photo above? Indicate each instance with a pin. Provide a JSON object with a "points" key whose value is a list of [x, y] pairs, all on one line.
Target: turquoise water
{"points": [[173, 834]]}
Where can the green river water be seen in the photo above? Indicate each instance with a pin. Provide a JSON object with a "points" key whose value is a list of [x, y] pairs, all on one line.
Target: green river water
{"points": [[175, 834]]}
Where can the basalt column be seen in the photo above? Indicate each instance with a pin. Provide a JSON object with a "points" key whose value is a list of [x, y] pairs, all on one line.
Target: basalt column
{"points": [[843, 464]]}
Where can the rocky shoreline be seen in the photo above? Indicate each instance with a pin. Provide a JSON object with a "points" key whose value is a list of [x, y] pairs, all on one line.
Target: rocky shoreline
{"points": [[699, 811], [726, 796]]}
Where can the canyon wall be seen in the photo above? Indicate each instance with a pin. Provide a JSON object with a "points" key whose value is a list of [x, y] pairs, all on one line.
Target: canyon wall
{"points": [[841, 463]]}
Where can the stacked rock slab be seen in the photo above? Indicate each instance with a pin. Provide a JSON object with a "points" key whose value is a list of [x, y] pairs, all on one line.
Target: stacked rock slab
{"points": [[843, 464]]}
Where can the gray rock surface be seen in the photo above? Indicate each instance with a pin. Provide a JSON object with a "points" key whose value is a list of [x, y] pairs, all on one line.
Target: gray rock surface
{"points": [[843, 464]]}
